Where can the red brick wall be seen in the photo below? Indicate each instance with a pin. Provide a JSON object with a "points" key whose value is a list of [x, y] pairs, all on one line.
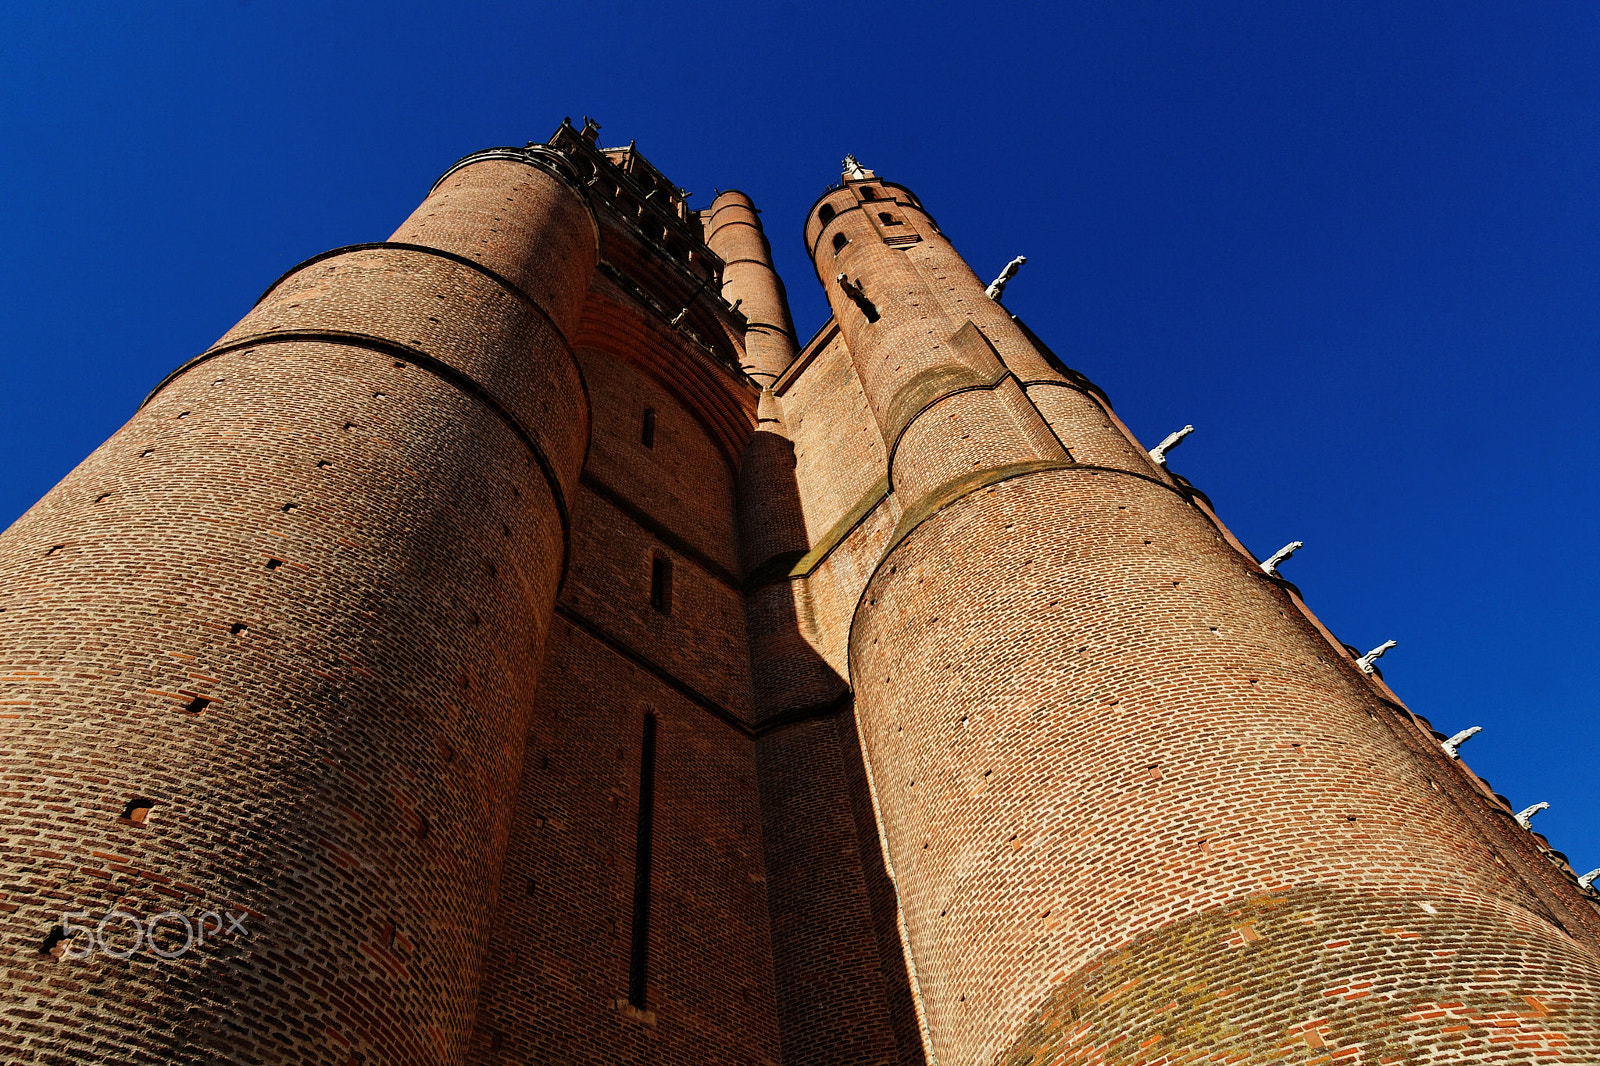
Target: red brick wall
{"points": [[733, 231], [841, 988], [358, 607], [557, 973], [298, 602], [1137, 806]]}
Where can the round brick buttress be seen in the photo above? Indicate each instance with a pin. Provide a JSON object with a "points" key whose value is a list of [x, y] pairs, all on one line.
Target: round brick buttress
{"points": [[269, 652], [1138, 809]]}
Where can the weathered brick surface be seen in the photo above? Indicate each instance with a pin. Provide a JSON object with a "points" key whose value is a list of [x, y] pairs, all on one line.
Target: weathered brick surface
{"points": [[499, 339], [733, 230], [557, 972], [520, 219], [338, 783], [1097, 730], [559, 951], [836, 984], [297, 606], [682, 481], [350, 631], [839, 453], [1356, 977], [701, 641]]}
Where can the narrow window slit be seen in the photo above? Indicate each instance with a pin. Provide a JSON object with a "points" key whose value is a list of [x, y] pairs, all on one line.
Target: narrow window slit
{"points": [[55, 549], [638, 964], [647, 431], [196, 705], [273, 564], [289, 507], [661, 584], [323, 464], [839, 241], [238, 628]]}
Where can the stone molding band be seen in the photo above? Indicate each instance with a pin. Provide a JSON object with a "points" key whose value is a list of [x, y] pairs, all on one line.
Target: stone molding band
{"points": [[541, 157], [957, 489], [432, 364], [460, 260], [780, 720], [768, 327], [791, 565], [712, 232], [733, 203], [905, 420], [401, 246], [748, 259], [656, 529], [1085, 389]]}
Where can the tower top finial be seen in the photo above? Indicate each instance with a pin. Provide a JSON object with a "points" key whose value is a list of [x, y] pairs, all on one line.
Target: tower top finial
{"points": [[854, 171]]}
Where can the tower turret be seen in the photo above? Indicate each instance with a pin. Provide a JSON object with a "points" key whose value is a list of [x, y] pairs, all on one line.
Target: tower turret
{"points": [[277, 639], [733, 231], [1133, 797]]}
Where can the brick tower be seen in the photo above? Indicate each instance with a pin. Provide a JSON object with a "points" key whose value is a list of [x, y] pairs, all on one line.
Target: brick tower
{"points": [[508, 645]]}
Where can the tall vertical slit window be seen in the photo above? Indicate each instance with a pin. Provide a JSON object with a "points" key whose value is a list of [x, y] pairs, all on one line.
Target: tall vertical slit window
{"points": [[638, 962], [647, 428], [661, 584]]}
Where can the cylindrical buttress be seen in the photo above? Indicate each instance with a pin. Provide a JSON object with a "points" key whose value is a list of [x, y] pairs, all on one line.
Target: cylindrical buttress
{"points": [[1136, 805], [733, 231], [271, 648]]}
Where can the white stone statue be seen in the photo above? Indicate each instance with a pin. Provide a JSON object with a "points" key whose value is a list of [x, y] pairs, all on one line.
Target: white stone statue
{"points": [[1525, 815], [1366, 661], [1271, 565], [1452, 747], [997, 287], [1159, 453]]}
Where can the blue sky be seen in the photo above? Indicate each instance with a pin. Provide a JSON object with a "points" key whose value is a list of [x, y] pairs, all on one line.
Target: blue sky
{"points": [[1355, 244]]}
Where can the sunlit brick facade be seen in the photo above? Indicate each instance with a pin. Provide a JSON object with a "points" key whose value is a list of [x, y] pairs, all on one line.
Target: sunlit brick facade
{"points": [[509, 645]]}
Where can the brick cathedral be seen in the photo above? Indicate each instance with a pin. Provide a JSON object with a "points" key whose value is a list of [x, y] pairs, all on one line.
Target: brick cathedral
{"points": [[509, 645]]}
